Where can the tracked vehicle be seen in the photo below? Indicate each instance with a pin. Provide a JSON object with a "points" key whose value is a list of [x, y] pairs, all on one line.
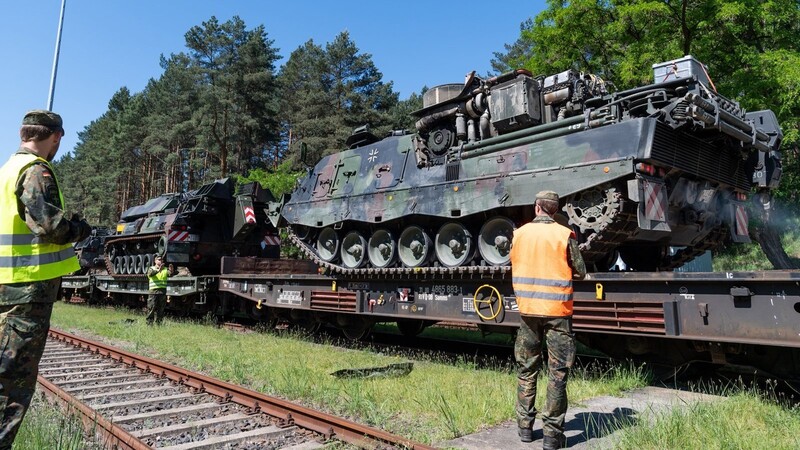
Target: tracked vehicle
{"points": [[193, 230], [651, 176]]}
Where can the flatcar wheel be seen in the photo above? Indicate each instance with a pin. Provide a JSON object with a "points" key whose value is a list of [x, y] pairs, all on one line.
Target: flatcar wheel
{"points": [[453, 245], [381, 249], [327, 244], [411, 327], [354, 248], [414, 246], [354, 328], [494, 241]]}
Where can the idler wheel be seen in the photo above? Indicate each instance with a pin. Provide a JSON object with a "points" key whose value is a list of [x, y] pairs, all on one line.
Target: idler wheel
{"points": [[494, 241], [381, 249], [414, 246], [354, 250], [303, 232], [327, 244], [453, 245]]}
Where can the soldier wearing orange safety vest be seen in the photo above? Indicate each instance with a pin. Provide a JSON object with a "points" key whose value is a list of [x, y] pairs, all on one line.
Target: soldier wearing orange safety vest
{"points": [[545, 259]]}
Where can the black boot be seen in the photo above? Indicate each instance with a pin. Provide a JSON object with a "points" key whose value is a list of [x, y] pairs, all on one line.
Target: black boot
{"points": [[554, 442], [526, 435]]}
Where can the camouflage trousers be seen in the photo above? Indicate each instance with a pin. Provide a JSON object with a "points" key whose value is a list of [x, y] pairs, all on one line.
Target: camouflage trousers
{"points": [[528, 351], [156, 303], [23, 334]]}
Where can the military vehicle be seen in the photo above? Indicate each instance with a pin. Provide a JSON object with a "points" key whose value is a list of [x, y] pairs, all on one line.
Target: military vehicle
{"points": [[192, 229], [652, 176], [90, 250]]}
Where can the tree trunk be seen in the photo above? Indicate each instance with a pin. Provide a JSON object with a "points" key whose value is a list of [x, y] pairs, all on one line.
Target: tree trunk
{"points": [[769, 238]]}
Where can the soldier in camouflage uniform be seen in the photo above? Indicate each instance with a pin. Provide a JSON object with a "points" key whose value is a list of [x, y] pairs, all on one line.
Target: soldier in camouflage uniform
{"points": [[35, 251], [544, 259]]}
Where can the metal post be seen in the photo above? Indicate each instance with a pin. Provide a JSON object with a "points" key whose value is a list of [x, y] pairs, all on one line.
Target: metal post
{"points": [[55, 57]]}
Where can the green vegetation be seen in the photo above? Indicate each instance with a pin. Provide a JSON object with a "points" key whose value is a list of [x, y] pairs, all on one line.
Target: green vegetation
{"points": [[739, 257], [47, 427], [437, 401], [744, 420], [223, 108], [750, 47]]}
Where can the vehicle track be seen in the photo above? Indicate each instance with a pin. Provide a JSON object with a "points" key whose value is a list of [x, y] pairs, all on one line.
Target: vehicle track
{"points": [[140, 403]]}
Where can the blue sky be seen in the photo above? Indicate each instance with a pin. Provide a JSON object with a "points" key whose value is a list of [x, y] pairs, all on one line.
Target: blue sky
{"points": [[108, 44]]}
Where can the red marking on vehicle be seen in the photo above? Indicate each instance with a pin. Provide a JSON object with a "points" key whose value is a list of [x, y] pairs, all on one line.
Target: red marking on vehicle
{"points": [[741, 220], [654, 208], [177, 235], [249, 215], [272, 239]]}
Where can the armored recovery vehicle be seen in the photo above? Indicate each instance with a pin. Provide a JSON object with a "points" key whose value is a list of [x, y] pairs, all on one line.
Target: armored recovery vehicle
{"points": [[193, 230], [653, 175]]}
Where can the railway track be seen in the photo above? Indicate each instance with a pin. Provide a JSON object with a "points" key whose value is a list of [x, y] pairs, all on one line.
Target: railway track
{"points": [[137, 403]]}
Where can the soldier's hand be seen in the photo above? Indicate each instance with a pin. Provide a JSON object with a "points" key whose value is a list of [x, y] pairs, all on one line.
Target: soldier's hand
{"points": [[84, 230]]}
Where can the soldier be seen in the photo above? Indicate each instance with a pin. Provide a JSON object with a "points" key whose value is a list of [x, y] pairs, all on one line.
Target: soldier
{"points": [[544, 260], [35, 251], [157, 300]]}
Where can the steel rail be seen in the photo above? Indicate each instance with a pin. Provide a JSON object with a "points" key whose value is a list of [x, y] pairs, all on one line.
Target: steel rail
{"points": [[328, 425], [113, 435]]}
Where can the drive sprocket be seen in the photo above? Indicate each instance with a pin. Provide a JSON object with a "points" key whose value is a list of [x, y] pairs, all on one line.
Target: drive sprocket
{"points": [[592, 210]]}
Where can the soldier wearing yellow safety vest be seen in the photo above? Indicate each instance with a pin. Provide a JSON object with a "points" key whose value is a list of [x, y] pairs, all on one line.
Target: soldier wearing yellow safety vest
{"points": [[35, 252], [157, 300], [544, 260]]}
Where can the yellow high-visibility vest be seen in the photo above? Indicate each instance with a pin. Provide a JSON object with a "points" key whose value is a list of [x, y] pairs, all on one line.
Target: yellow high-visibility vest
{"points": [[24, 257], [540, 273], [159, 280]]}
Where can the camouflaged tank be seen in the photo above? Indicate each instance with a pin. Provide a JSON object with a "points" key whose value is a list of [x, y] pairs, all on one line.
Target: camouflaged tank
{"points": [[193, 230], [648, 177], [90, 251]]}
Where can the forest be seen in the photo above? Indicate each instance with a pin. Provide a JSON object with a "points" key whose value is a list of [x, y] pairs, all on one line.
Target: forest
{"points": [[222, 108]]}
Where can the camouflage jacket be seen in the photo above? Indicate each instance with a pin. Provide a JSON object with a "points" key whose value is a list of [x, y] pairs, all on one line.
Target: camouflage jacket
{"points": [[575, 259]]}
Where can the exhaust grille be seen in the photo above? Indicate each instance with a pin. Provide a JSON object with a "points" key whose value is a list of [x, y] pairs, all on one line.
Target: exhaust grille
{"points": [[702, 159]]}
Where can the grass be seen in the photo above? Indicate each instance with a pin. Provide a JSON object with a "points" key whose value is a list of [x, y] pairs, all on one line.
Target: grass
{"points": [[46, 427], [745, 419], [439, 400]]}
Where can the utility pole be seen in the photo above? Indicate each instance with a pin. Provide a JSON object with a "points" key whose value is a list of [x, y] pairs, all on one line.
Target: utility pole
{"points": [[55, 57]]}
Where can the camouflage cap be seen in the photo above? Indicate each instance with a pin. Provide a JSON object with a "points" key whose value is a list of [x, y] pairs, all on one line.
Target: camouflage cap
{"points": [[547, 195], [42, 117]]}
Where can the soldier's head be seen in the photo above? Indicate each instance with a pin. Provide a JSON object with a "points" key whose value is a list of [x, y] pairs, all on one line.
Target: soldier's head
{"points": [[41, 131], [546, 203], [158, 260]]}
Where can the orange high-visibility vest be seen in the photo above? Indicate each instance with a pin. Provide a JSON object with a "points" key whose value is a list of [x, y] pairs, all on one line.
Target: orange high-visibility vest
{"points": [[541, 275]]}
